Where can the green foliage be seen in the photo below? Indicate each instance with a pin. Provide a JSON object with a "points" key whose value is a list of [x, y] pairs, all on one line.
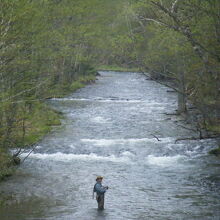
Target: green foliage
{"points": [[44, 52], [5, 164], [76, 85], [215, 152], [178, 42], [215, 128], [81, 82], [39, 123]]}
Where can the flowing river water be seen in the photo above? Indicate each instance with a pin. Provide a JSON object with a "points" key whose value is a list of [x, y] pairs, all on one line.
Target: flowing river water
{"points": [[110, 129]]}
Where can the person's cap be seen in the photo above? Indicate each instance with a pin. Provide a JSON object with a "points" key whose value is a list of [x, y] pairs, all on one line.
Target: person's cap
{"points": [[99, 177]]}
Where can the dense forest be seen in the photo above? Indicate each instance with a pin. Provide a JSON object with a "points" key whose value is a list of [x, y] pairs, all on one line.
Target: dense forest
{"points": [[49, 48]]}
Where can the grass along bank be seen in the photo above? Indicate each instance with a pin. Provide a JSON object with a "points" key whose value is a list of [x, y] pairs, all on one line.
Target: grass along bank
{"points": [[61, 90], [33, 123], [117, 68], [38, 121]]}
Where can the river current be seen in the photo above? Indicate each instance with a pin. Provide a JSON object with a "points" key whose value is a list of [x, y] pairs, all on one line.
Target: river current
{"points": [[117, 128]]}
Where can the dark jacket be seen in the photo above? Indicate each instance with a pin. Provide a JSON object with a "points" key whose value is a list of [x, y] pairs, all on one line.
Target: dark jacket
{"points": [[99, 189]]}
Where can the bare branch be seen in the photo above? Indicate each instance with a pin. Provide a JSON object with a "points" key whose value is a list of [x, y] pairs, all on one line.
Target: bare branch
{"points": [[29, 153], [199, 49], [174, 6], [165, 84], [164, 9], [17, 153], [171, 76], [156, 21], [156, 137], [24, 91]]}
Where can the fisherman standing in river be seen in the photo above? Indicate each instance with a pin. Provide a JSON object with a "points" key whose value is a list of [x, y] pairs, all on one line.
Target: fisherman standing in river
{"points": [[100, 192]]}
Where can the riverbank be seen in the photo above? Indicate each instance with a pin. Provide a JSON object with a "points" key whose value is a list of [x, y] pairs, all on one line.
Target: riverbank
{"points": [[206, 128], [117, 68], [39, 121]]}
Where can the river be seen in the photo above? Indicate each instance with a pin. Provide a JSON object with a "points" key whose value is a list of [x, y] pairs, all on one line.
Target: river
{"points": [[111, 129]]}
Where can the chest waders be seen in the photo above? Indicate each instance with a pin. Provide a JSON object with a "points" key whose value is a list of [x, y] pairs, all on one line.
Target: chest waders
{"points": [[100, 198]]}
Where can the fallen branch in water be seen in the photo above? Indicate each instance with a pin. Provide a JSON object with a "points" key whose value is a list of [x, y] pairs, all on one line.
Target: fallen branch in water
{"points": [[156, 137], [17, 153], [29, 153]]}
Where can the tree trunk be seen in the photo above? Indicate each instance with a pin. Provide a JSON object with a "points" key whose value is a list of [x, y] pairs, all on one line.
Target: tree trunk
{"points": [[181, 103], [182, 94]]}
